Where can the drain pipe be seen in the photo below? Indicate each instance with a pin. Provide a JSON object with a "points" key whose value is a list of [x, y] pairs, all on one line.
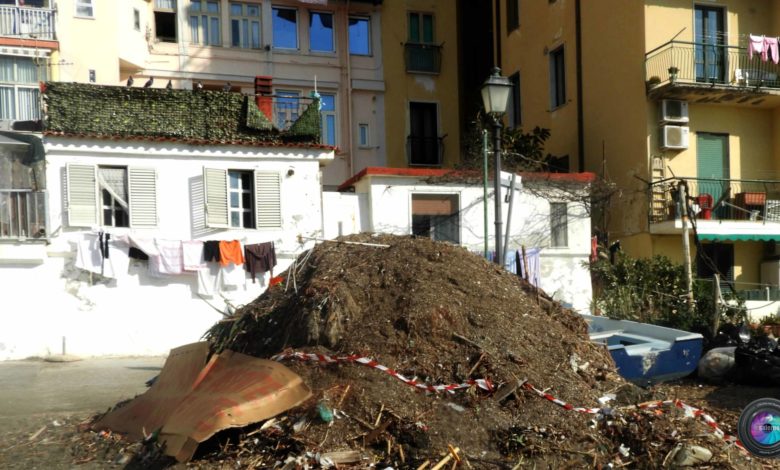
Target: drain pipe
{"points": [[580, 124], [349, 102]]}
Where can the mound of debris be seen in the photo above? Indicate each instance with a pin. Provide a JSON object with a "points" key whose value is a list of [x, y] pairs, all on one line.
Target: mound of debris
{"points": [[436, 313]]}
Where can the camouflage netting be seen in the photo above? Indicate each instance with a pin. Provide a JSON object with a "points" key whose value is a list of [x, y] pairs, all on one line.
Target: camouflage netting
{"points": [[213, 116]]}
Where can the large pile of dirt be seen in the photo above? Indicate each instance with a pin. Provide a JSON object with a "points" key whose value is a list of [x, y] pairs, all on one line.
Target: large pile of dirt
{"points": [[438, 313]]}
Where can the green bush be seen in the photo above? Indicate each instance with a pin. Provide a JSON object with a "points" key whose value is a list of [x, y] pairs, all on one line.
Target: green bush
{"points": [[653, 290]]}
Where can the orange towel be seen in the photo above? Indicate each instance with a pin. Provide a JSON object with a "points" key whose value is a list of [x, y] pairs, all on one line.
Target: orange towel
{"points": [[230, 252]]}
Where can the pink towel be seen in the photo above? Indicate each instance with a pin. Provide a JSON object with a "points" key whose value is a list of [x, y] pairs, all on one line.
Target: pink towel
{"points": [[771, 45], [756, 44]]}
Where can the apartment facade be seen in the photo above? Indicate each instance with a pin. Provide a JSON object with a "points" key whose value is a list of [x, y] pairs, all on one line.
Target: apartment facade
{"points": [[649, 94]]}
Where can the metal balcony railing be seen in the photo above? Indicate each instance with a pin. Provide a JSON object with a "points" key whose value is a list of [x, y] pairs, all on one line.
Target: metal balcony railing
{"points": [[25, 22], [22, 213], [425, 151], [283, 110], [425, 58], [718, 199], [694, 63]]}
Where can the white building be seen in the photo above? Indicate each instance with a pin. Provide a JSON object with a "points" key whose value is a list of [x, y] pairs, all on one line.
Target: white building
{"points": [[147, 188], [549, 213]]}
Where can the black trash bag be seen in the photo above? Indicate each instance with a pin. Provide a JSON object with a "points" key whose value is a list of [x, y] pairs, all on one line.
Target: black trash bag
{"points": [[757, 362]]}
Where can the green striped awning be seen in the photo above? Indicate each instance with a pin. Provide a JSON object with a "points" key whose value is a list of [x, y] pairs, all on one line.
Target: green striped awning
{"points": [[717, 237]]}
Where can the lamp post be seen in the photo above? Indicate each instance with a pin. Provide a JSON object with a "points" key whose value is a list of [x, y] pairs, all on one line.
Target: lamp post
{"points": [[495, 94]]}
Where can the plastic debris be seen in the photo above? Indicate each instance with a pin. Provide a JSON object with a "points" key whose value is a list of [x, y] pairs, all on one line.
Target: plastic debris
{"points": [[325, 413]]}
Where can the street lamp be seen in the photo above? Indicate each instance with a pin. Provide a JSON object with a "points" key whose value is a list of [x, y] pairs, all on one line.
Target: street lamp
{"points": [[495, 95]]}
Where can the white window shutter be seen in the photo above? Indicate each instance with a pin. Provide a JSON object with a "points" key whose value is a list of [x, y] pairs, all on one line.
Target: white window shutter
{"points": [[142, 197], [268, 201], [82, 195], [215, 188]]}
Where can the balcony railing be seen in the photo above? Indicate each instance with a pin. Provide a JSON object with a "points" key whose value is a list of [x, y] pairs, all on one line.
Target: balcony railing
{"points": [[718, 199], [22, 213], [425, 58], [425, 151], [283, 110], [691, 63], [24, 22]]}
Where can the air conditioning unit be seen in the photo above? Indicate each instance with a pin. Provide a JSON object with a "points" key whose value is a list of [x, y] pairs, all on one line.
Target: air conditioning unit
{"points": [[674, 137], [674, 111]]}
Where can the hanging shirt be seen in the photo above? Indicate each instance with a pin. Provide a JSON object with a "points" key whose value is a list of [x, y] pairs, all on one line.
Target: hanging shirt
{"points": [[533, 259], [211, 251], [260, 258], [192, 254], [771, 47], [88, 255], [756, 44], [230, 252]]}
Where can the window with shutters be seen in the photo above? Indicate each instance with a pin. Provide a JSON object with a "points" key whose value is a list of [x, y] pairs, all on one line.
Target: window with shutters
{"points": [[111, 196], [242, 198]]}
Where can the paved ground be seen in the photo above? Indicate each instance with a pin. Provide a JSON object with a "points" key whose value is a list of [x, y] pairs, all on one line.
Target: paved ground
{"points": [[52, 397]]}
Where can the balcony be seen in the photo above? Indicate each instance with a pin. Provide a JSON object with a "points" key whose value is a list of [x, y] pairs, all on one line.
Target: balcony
{"points": [[423, 58], [425, 151], [22, 214], [27, 23], [707, 73]]}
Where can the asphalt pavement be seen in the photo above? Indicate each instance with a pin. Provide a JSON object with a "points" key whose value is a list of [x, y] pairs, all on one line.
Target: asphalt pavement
{"points": [[35, 387]]}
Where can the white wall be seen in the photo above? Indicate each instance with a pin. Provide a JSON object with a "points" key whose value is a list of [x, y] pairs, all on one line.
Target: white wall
{"points": [[563, 274], [48, 299]]}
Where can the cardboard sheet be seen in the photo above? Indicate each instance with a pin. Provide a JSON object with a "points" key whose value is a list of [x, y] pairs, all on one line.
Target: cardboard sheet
{"points": [[232, 390]]}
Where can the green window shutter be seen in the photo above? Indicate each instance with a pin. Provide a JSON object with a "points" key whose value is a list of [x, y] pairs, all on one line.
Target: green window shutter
{"points": [[427, 28], [82, 195], [215, 187], [712, 156], [142, 187], [268, 202], [414, 27]]}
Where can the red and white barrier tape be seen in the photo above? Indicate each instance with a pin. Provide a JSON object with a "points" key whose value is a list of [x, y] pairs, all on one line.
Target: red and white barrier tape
{"points": [[484, 384]]}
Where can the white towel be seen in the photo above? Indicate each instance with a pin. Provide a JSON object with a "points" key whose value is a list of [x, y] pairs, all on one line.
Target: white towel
{"points": [[169, 261], [88, 255], [192, 252]]}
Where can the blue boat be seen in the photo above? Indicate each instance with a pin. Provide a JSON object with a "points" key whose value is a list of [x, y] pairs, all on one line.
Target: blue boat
{"points": [[646, 354]]}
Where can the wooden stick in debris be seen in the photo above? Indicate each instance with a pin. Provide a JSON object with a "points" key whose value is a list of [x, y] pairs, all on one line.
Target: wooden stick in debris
{"points": [[379, 415], [481, 356], [424, 465], [401, 453], [466, 340], [37, 433], [343, 396], [453, 454], [377, 245]]}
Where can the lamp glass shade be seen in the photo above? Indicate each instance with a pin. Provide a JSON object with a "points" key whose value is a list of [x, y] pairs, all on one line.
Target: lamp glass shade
{"points": [[495, 93]]}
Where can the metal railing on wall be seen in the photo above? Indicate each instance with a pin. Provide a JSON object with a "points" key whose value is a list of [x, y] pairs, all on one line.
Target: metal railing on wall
{"points": [[22, 213], [24, 22]]}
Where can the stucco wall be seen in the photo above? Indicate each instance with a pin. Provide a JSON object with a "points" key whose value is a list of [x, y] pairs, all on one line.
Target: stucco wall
{"points": [[562, 271], [137, 313]]}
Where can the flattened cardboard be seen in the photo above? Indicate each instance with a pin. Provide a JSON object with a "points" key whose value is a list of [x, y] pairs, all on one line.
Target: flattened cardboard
{"points": [[191, 402], [149, 411], [234, 390]]}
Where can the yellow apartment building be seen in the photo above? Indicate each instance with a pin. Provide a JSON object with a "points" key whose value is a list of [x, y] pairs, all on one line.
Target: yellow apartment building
{"points": [[650, 93], [420, 50]]}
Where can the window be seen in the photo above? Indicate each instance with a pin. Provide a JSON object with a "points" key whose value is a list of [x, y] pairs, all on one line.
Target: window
{"points": [[421, 28], [241, 211], [165, 20], [557, 78], [559, 236], [287, 108], [364, 139], [436, 216], [242, 198], [112, 183], [424, 147], [245, 25], [359, 37], [19, 91], [321, 32], [513, 110], [512, 15], [111, 196], [84, 8], [205, 22], [328, 119], [285, 28], [136, 19]]}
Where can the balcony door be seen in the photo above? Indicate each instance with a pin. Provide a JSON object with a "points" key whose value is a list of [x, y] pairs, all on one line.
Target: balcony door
{"points": [[713, 167], [710, 39], [423, 135]]}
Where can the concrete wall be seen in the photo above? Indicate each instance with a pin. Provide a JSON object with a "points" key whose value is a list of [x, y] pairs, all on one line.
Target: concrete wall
{"points": [[562, 271], [136, 313]]}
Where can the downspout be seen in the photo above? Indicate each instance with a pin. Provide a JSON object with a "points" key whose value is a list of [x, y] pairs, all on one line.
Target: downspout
{"points": [[497, 35], [580, 123], [349, 101]]}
